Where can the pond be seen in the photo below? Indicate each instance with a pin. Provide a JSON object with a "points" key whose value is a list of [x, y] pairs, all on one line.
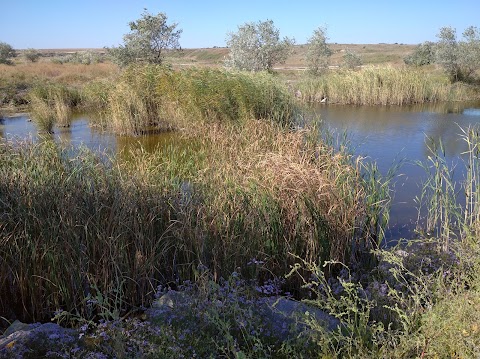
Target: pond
{"points": [[383, 134], [19, 128], [389, 134]]}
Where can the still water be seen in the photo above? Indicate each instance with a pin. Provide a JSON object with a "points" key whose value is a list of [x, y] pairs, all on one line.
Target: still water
{"points": [[382, 134], [390, 134]]}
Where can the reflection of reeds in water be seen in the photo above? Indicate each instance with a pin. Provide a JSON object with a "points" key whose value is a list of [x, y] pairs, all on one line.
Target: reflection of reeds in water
{"points": [[382, 86]]}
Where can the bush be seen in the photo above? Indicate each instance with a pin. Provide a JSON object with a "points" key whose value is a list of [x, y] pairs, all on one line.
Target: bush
{"points": [[149, 37], [351, 60], [256, 46], [424, 54], [318, 52], [460, 60], [31, 55], [6, 53]]}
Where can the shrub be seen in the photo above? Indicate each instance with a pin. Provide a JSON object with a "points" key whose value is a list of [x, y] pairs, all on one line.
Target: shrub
{"points": [[256, 46], [6, 53], [31, 55], [460, 60], [351, 60], [318, 52], [149, 37], [424, 54]]}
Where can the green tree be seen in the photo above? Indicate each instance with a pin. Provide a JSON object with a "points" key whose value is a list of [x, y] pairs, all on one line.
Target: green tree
{"points": [[318, 52], [447, 52], [6, 53], [351, 60], [460, 59], [424, 54], [469, 52], [257, 46], [31, 55], [149, 37]]}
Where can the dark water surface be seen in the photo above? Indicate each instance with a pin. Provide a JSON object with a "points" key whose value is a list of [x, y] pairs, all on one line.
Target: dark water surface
{"points": [[20, 128], [387, 134], [383, 134]]}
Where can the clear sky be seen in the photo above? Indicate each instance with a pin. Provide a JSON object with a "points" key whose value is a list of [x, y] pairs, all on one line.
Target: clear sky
{"points": [[205, 23]]}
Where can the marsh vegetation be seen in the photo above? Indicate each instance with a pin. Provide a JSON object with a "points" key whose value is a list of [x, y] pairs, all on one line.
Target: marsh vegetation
{"points": [[257, 201]]}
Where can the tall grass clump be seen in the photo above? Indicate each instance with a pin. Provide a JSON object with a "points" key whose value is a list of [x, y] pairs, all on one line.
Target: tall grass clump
{"points": [[133, 105], [382, 86], [448, 210], [152, 97], [52, 105], [115, 230], [214, 94], [87, 231]]}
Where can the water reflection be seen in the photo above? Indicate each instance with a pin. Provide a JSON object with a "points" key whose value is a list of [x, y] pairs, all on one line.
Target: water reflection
{"points": [[387, 133]]}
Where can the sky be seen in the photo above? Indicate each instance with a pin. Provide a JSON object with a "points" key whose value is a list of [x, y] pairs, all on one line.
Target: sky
{"points": [[55, 24]]}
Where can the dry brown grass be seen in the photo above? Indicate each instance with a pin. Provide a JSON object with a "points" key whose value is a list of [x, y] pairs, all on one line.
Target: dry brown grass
{"points": [[69, 74], [319, 193]]}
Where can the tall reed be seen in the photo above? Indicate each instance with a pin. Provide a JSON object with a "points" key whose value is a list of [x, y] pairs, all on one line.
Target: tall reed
{"points": [[382, 86], [52, 105], [154, 98], [116, 229], [450, 210]]}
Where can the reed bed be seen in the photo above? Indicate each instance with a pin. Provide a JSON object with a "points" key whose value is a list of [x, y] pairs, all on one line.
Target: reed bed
{"points": [[382, 86], [446, 210], [52, 105], [117, 229], [156, 98]]}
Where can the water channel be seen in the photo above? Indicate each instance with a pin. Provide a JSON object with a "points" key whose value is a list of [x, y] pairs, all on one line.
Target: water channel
{"points": [[382, 134], [391, 134]]}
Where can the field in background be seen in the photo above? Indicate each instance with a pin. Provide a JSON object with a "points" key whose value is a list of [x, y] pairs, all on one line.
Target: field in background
{"points": [[371, 54]]}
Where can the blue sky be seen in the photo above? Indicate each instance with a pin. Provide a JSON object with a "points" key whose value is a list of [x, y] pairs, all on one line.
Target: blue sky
{"points": [[205, 23]]}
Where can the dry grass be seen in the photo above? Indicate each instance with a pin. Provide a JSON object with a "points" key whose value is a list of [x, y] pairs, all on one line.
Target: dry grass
{"points": [[68, 74], [382, 86]]}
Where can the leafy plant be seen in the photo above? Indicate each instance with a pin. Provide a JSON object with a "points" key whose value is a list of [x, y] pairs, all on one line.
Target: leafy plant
{"points": [[6, 53], [351, 60], [318, 51], [150, 36], [256, 46], [31, 55]]}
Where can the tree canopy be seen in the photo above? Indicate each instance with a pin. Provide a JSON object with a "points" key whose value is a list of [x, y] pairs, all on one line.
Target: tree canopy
{"points": [[257, 46], [318, 52], [149, 37], [6, 53]]}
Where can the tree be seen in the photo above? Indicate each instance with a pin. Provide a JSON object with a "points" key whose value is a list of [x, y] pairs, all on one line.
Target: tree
{"points": [[31, 55], [424, 54], [318, 52], [6, 53], [351, 60], [469, 52], [447, 52], [256, 46], [460, 60], [149, 37]]}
